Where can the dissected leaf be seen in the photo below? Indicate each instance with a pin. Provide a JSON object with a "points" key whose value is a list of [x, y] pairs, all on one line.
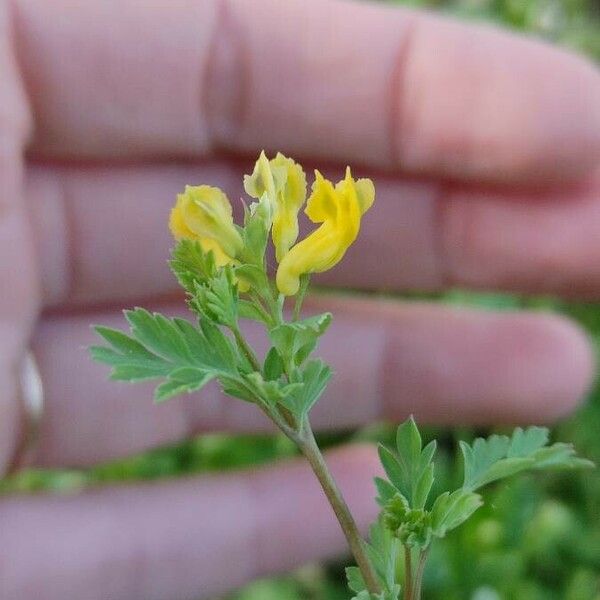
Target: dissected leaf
{"points": [[295, 341], [217, 300], [497, 457], [184, 380], [356, 583], [271, 392], [385, 491], [191, 265], [249, 310], [129, 359], [452, 509], [560, 456], [273, 367], [187, 357], [159, 335], [394, 471], [411, 470], [525, 442], [314, 378], [225, 357]]}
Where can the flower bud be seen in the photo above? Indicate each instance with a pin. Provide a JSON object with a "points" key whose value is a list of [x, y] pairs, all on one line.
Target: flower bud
{"points": [[204, 213]]}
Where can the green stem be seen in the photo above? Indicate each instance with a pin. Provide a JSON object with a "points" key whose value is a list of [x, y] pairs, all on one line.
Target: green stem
{"points": [[408, 574], [283, 423], [419, 576], [258, 303], [304, 281], [311, 451], [245, 348]]}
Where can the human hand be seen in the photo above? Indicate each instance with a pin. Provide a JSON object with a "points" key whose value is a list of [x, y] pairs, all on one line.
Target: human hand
{"points": [[484, 150]]}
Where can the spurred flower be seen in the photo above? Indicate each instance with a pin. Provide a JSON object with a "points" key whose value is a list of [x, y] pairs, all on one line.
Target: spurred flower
{"points": [[339, 209]]}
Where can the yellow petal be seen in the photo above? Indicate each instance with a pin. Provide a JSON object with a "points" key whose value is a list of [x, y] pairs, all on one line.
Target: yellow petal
{"points": [[206, 211], [262, 180], [221, 259], [289, 200], [339, 209], [321, 204], [177, 225], [316, 253], [365, 190]]}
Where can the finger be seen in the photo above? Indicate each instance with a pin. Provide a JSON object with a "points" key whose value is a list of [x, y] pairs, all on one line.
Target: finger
{"points": [[19, 297], [446, 366], [93, 226], [431, 95], [185, 539]]}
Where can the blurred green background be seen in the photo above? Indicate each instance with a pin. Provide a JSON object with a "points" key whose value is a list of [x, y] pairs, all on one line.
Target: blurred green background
{"points": [[538, 537]]}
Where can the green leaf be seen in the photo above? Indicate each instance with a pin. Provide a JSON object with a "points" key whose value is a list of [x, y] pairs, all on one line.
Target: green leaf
{"points": [[497, 457], [356, 583], [186, 357], [383, 551], [394, 471], [159, 335], [237, 388], [191, 265], [525, 442], [217, 300], [313, 381], [424, 483], [129, 359], [253, 275], [408, 444], [270, 392], [560, 456], [257, 223], [452, 509], [224, 355], [479, 458], [184, 380], [249, 310], [385, 491], [411, 470], [273, 367], [295, 341]]}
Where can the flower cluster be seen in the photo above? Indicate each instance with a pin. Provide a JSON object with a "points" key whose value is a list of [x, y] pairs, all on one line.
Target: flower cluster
{"points": [[203, 213]]}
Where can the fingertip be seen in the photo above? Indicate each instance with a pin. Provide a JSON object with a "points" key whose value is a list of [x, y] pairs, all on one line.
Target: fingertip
{"points": [[568, 368], [455, 366], [513, 109]]}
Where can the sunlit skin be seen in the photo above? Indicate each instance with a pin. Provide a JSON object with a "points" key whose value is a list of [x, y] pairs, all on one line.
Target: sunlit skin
{"points": [[457, 143]]}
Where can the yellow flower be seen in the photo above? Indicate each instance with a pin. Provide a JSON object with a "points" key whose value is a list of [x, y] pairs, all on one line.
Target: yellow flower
{"points": [[284, 182], [339, 209], [264, 180], [204, 213]]}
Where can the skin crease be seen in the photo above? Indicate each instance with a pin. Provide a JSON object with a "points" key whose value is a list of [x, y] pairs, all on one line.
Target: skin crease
{"points": [[485, 152]]}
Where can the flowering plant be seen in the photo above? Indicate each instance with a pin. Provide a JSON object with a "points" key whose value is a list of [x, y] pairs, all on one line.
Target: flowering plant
{"points": [[223, 269]]}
